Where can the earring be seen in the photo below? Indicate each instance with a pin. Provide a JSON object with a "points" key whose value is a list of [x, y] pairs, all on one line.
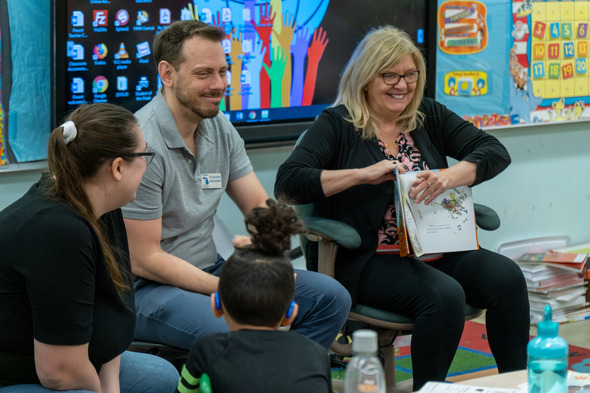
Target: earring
{"points": [[217, 302], [290, 310]]}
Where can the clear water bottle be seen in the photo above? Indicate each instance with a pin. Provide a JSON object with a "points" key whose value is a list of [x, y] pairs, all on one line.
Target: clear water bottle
{"points": [[547, 358], [364, 372]]}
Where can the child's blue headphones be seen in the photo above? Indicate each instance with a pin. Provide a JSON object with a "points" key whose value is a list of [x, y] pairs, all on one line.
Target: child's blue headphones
{"points": [[288, 315], [217, 302], [290, 310]]}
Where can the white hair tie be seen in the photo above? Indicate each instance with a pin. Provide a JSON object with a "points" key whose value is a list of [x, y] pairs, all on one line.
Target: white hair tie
{"points": [[70, 132]]}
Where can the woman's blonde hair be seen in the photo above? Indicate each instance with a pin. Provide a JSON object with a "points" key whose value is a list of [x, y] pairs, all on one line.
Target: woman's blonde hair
{"points": [[380, 49]]}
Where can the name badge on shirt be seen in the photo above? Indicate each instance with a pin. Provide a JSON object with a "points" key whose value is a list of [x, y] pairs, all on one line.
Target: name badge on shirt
{"points": [[210, 180]]}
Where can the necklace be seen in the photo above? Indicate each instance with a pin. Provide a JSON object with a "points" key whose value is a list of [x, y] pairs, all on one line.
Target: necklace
{"points": [[394, 141], [387, 145]]}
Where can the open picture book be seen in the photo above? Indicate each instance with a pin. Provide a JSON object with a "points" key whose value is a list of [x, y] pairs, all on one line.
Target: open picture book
{"points": [[447, 224]]}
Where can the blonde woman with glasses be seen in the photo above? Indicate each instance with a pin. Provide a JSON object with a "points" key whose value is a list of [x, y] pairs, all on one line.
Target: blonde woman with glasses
{"points": [[345, 165]]}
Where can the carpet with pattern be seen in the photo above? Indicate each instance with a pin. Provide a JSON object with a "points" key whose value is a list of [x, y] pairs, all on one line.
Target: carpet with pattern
{"points": [[473, 358]]}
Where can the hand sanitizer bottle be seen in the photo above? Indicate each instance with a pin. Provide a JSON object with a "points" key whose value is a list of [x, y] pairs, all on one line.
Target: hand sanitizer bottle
{"points": [[364, 372], [547, 358]]}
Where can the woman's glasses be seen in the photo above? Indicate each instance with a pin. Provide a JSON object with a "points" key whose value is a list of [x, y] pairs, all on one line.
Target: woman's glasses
{"points": [[391, 78], [148, 154]]}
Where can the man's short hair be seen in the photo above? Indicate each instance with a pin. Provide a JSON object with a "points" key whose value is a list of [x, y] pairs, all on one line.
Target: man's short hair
{"points": [[168, 43]]}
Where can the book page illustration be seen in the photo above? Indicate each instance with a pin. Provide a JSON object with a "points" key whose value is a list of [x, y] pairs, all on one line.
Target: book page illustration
{"points": [[447, 224]]}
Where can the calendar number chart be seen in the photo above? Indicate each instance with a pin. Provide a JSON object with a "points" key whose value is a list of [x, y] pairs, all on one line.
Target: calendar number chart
{"points": [[559, 53]]}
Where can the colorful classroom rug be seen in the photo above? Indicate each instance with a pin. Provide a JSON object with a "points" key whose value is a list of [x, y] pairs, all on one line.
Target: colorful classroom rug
{"points": [[473, 359]]}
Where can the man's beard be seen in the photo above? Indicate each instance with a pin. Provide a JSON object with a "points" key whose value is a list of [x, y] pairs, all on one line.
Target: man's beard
{"points": [[188, 102]]}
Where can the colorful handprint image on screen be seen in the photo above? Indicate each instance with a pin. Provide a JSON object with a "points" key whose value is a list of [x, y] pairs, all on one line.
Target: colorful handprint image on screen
{"points": [[273, 49]]}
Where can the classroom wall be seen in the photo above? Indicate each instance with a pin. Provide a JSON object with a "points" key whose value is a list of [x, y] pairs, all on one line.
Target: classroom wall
{"points": [[544, 192]]}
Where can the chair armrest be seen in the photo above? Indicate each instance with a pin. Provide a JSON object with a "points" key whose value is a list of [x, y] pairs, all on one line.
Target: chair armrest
{"points": [[342, 234], [486, 217], [329, 234]]}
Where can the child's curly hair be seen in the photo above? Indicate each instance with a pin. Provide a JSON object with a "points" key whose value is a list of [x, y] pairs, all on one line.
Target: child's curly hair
{"points": [[271, 228]]}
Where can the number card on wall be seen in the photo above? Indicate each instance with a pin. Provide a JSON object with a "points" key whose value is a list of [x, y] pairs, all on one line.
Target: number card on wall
{"points": [[559, 57], [556, 56]]}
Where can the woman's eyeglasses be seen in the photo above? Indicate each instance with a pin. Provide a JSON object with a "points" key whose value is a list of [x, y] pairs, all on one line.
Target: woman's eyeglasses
{"points": [[391, 78], [148, 154]]}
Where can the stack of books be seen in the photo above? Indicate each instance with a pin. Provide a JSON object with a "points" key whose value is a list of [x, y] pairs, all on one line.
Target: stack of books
{"points": [[559, 279]]}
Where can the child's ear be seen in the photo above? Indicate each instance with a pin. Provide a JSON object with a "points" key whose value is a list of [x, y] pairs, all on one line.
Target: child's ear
{"points": [[217, 312], [288, 321]]}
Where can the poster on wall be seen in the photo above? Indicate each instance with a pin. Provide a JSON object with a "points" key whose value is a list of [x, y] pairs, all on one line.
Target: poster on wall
{"points": [[25, 81], [514, 62]]}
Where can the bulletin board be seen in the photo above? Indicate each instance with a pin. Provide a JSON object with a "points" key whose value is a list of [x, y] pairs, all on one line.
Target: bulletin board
{"points": [[25, 109], [503, 62]]}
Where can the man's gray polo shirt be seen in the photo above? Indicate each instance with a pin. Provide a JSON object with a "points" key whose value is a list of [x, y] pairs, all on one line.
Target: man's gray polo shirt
{"points": [[183, 189]]}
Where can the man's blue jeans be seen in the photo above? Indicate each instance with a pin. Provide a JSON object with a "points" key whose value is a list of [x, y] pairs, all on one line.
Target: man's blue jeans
{"points": [[173, 316]]}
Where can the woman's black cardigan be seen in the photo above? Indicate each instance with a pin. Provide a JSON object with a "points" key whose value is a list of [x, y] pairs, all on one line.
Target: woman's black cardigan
{"points": [[332, 143]]}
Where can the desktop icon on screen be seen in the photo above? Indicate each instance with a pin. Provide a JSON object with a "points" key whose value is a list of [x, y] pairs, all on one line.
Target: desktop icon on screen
{"points": [[100, 84], [142, 17], [122, 83], [77, 19], [226, 14], [75, 51], [122, 53], [121, 18], [206, 15], [165, 16], [100, 18], [77, 86], [186, 14], [143, 49], [100, 52], [246, 14], [143, 84]]}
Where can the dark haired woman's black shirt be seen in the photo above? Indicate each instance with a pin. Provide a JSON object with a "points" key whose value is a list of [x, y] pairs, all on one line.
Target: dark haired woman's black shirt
{"points": [[55, 286]]}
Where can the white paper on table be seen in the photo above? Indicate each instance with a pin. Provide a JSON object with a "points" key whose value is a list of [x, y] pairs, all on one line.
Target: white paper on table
{"points": [[442, 387]]}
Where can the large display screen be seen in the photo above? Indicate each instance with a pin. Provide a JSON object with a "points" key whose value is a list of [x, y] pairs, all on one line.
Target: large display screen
{"points": [[285, 56]]}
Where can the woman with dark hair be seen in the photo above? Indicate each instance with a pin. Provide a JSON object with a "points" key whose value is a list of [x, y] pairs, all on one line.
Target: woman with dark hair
{"points": [[67, 310], [345, 166]]}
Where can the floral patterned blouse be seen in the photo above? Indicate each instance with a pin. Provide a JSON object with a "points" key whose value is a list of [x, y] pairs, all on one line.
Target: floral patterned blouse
{"points": [[411, 158]]}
